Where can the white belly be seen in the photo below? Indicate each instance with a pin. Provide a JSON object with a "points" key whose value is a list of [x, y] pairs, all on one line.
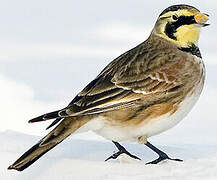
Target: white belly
{"points": [[153, 127]]}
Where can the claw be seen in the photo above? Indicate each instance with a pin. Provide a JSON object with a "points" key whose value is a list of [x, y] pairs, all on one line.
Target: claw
{"points": [[180, 160], [162, 155], [114, 156], [117, 154], [121, 151], [161, 158]]}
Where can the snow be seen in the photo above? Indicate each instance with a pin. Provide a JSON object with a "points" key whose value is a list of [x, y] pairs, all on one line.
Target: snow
{"points": [[83, 158]]}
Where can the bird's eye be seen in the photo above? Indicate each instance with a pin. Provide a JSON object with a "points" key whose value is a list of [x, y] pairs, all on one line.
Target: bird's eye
{"points": [[175, 17]]}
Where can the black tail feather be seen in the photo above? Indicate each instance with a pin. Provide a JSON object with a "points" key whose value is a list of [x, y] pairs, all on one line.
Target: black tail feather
{"points": [[28, 163], [64, 129]]}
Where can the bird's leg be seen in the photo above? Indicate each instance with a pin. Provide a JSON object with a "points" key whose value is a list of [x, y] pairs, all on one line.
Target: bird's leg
{"points": [[121, 151], [162, 155]]}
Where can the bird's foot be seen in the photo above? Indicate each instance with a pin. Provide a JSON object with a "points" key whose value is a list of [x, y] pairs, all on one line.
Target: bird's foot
{"points": [[163, 157], [117, 154], [121, 151]]}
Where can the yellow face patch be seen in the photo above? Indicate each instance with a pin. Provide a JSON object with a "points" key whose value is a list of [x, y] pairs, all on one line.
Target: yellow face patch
{"points": [[184, 35], [187, 34]]}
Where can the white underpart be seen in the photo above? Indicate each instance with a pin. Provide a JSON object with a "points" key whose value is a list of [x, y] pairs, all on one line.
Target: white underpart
{"points": [[93, 125], [153, 127]]}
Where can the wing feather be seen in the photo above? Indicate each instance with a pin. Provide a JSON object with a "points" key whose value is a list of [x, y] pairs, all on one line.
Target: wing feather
{"points": [[121, 83]]}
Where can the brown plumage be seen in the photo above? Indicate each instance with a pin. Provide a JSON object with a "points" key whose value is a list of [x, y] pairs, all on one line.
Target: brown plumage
{"points": [[136, 91]]}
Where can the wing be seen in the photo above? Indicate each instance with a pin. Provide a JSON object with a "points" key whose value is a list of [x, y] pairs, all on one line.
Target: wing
{"points": [[141, 74], [125, 81]]}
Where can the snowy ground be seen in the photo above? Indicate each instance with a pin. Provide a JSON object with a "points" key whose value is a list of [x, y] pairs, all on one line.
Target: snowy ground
{"points": [[78, 159]]}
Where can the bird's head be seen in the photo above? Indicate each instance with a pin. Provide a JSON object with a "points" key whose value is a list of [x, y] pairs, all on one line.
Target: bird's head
{"points": [[180, 24]]}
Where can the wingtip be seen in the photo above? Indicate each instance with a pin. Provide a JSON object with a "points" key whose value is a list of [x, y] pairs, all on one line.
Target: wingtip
{"points": [[45, 117], [11, 167], [37, 119], [54, 123], [30, 121]]}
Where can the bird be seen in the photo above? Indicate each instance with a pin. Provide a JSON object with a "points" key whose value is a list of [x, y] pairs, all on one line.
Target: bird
{"points": [[143, 92]]}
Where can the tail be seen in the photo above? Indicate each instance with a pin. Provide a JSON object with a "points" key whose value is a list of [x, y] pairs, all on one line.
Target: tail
{"points": [[56, 136]]}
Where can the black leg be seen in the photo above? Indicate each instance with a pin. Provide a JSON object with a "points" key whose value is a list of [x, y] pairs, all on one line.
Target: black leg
{"points": [[162, 155], [121, 151]]}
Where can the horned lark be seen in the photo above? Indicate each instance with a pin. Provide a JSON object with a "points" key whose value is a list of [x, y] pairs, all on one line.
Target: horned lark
{"points": [[143, 92]]}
